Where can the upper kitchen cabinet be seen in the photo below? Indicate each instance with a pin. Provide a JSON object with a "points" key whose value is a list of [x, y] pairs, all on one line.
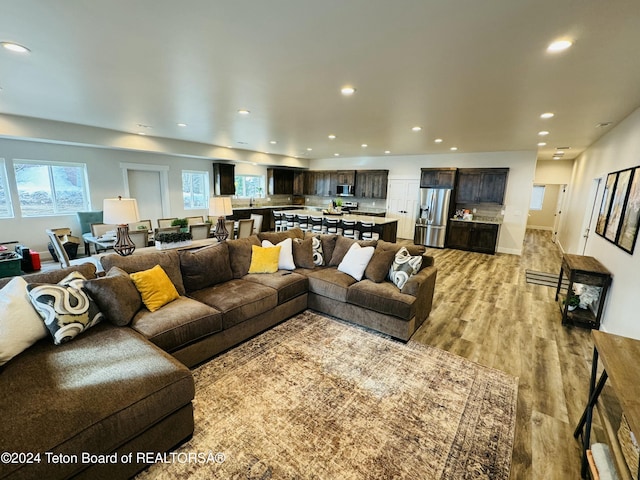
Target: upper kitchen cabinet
{"points": [[438, 177], [345, 177], [279, 181], [298, 182], [224, 180], [481, 185], [320, 182], [371, 183]]}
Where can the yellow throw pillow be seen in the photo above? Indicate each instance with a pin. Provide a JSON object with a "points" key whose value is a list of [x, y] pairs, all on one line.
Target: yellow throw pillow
{"points": [[264, 259], [155, 287]]}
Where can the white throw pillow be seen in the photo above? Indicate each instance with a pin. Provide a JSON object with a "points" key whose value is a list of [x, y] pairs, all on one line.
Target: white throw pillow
{"points": [[356, 260], [20, 324], [285, 260]]}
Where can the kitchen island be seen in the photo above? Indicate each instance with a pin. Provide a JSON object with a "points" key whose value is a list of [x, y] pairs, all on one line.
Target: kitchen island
{"points": [[386, 227]]}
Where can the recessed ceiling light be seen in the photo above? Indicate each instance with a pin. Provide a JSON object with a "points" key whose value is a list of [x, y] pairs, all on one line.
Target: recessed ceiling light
{"points": [[542, 144], [244, 112], [332, 137], [273, 142], [15, 47], [547, 115], [559, 46], [141, 133], [336, 154], [556, 157], [387, 152], [364, 145], [543, 133], [348, 90], [453, 149], [229, 146], [182, 124], [416, 128], [309, 149], [438, 140]]}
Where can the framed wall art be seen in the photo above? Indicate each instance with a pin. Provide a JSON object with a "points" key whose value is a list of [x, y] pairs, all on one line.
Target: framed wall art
{"points": [[619, 213]]}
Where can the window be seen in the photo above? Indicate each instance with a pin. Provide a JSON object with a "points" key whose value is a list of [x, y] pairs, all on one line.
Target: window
{"points": [[6, 209], [195, 189], [249, 186], [49, 188], [537, 196]]}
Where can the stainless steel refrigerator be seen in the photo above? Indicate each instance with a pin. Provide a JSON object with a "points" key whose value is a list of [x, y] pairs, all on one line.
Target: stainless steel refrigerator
{"points": [[431, 226]]}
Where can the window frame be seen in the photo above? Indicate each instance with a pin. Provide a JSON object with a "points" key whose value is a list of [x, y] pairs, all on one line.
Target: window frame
{"points": [[205, 182], [4, 184], [86, 194], [262, 180], [538, 198]]}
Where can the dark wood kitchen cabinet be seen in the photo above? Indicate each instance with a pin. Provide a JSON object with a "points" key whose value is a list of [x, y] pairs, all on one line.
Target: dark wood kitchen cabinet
{"points": [[371, 183], [438, 177], [298, 182], [320, 182], [279, 181], [346, 177], [224, 180], [473, 236], [481, 185]]}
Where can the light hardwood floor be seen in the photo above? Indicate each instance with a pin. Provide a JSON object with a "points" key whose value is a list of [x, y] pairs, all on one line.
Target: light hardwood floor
{"points": [[484, 310]]}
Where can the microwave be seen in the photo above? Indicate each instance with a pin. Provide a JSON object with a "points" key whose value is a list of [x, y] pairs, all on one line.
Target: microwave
{"points": [[344, 190]]}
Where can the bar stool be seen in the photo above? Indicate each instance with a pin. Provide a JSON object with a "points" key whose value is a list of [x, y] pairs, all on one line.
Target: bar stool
{"points": [[278, 221], [316, 224], [366, 231], [332, 225], [289, 220], [349, 229], [303, 223]]}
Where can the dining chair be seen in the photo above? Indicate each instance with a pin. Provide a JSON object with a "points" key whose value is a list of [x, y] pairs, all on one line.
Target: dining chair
{"points": [[99, 229], [135, 226], [86, 219], [61, 253], [199, 231], [303, 222], [195, 220], [231, 228], [257, 223], [245, 228], [289, 220], [165, 222], [349, 229], [166, 230], [140, 238]]}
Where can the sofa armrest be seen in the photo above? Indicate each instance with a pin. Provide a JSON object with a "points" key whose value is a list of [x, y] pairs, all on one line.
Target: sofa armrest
{"points": [[422, 287]]}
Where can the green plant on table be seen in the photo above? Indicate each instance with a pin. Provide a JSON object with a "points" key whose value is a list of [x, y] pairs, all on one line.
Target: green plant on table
{"points": [[173, 237], [180, 222]]}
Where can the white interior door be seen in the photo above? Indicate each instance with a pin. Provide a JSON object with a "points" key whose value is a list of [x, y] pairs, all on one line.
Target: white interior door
{"points": [[402, 203], [145, 187], [557, 220]]}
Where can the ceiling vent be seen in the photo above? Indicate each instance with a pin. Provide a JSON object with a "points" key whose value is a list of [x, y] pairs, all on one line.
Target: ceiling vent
{"points": [[604, 124]]}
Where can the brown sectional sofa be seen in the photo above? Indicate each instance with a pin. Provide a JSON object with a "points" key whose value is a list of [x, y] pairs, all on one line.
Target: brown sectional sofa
{"points": [[118, 389]]}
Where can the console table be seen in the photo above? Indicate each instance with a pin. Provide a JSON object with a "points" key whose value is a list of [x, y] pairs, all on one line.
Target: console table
{"points": [[619, 356]]}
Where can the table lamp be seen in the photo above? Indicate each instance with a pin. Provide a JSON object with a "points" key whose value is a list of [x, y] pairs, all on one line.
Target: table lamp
{"points": [[220, 207], [121, 211]]}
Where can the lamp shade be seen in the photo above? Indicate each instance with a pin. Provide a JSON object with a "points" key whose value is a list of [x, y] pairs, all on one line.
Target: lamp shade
{"points": [[120, 211], [220, 206]]}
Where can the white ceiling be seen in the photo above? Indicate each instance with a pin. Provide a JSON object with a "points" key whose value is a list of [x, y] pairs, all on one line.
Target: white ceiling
{"points": [[473, 72]]}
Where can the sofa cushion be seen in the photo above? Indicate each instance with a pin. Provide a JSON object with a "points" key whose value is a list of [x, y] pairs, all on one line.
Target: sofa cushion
{"points": [[20, 324], [240, 254], [67, 310], [288, 284], [91, 395], [116, 295], [383, 298], [206, 266], [178, 323], [238, 300], [329, 282], [264, 259], [277, 237], [378, 268], [155, 287], [356, 260], [343, 244], [168, 260], [88, 270]]}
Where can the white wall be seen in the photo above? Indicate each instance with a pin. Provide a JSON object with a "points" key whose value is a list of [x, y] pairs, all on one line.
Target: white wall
{"points": [[544, 219], [553, 172], [521, 166], [617, 150]]}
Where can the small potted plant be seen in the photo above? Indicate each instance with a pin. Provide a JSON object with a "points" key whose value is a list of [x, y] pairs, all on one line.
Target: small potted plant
{"points": [[573, 301], [182, 223], [166, 241]]}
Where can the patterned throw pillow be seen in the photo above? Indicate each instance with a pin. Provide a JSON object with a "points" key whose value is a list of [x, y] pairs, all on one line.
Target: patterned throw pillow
{"points": [[318, 255], [67, 310], [404, 266]]}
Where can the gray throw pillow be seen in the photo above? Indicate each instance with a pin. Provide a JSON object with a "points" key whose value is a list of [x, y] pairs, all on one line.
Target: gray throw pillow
{"points": [[303, 254], [378, 267], [205, 267], [116, 295]]}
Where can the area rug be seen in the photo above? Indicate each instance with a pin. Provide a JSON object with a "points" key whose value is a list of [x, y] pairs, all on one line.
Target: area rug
{"points": [[544, 278], [318, 398]]}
